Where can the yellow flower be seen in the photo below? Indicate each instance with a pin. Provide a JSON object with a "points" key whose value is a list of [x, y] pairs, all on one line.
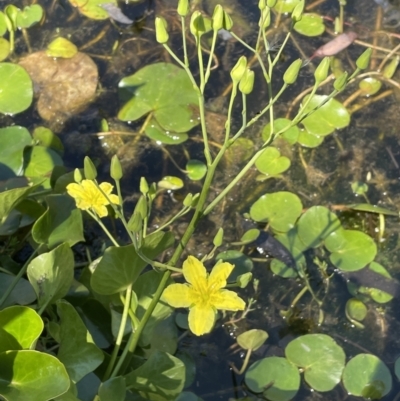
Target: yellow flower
{"points": [[88, 196], [203, 294]]}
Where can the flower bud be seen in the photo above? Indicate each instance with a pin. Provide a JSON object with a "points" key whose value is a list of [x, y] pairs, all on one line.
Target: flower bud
{"points": [[218, 17], [219, 237], [197, 26], [161, 30], [227, 23], [239, 69], [290, 75], [297, 13], [116, 168], [247, 82], [183, 8], [391, 68], [271, 3], [141, 207], [89, 169], [265, 19], [135, 222], [144, 186], [187, 202], [340, 82], [262, 4], [363, 61], [322, 70], [77, 175]]}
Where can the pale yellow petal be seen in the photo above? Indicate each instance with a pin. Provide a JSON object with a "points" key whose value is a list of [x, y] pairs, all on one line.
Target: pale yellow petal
{"points": [[106, 187], [100, 210], [89, 186], [114, 199], [75, 190], [227, 300], [193, 270], [218, 276], [178, 296], [201, 319]]}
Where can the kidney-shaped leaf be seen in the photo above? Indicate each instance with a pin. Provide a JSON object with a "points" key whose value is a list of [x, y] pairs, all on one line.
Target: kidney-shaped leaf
{"points": [[91, 8], [31, 375], [279, 209], [276, 377], [271, 163], [252, 339], [321, 358], [21, 294], [29, 16], [367, 376], [332, 115], [20, 328], [164, 90], [310, 25]]}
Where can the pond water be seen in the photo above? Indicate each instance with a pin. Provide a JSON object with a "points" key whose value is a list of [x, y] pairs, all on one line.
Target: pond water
{"points": [[367, 152]]}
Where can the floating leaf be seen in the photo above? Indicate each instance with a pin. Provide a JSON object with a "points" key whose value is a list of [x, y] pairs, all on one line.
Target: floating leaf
{"points": [[243, 264], [160, 135], [61, 47], [286, 6], [29, 16], [359, 187], [281, 269], [164, 90], [290, 134], [170, 183], [315, 225], [3, 24], [275, 377], [92, 8], [310, 25], [279, 209], [31, 375], [51, 274], [369, 86], [77, 351], [45, 137], [321, 358], [20, 328], [196, 169], [366, 375], [250, 236], [16, 89], [309, 140], [332, 115], [252, 339], [366, 207], [356, 309], [4, 48], [271, 163], [351, 250]]}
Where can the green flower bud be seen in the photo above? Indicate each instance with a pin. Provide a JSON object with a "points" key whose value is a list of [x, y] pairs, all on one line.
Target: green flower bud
{"points": [[228, 22], [262, 4], [218, 17], [187, 202], [183, 8], [265, 19], [239, 69], [363, 61], [77, 175], [297, 13], [116, 168], [340, 82], [290, 75], [197, 26], [322, 70], [89, 169], [135, 222], [161, 30], [271, 3], [391, 68], [247, 82], [219, 237], [141, 207], [11, 12], [144, 186], [244, 279]]}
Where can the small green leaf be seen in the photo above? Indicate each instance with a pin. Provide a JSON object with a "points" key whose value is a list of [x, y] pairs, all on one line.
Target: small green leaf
{"points": [[22, 293], [4, 48], [113, 389], [29, 16], [370, 86], [271, 163], [92, 9], [196, 169], [3, 24], [310, 25], [290, 134], [309, 140], [367, 207], [286, 6], [170, 183], [61, 47], [356, 309], [252, 339]]}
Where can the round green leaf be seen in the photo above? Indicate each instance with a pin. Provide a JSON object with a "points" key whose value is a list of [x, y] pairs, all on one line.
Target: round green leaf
{"points": [[309, 140], [351, 250], [315, 225], [271, 163], [13, 141], [20, 328], [252, 339], [29, 16], [196, 169], [4, 48], [282, 270], [291, 134], [61, 47], [356, 309], [160, 135], [310, 25], [91, 8], [279, 209], [370, 86], [280, 377], [31, 375], [170, 183], [321, 358], [332, 115], [367, 376], [286, 6], [3, 24], [243, 264], [16, 89], [164, 90]]}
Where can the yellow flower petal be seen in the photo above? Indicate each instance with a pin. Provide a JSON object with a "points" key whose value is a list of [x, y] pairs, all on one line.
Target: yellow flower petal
{"points": [[178, 296], [201, 319], [114, 199], [218, 276], [100, 210], [227, 300], [193, 270], [106, 187]]}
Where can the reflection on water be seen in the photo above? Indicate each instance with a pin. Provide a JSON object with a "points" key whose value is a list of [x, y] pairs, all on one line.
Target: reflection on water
{"points": [[366, 151]]}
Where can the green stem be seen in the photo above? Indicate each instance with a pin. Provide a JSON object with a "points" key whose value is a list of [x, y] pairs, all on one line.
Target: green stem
{"points": [[208, 69], [101, 224], [185, 56], [246, 361]]}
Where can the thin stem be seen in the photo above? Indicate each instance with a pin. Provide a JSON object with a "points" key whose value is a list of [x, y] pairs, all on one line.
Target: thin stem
{"points": [[208, 69], [101, 224], [185, 56]]}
